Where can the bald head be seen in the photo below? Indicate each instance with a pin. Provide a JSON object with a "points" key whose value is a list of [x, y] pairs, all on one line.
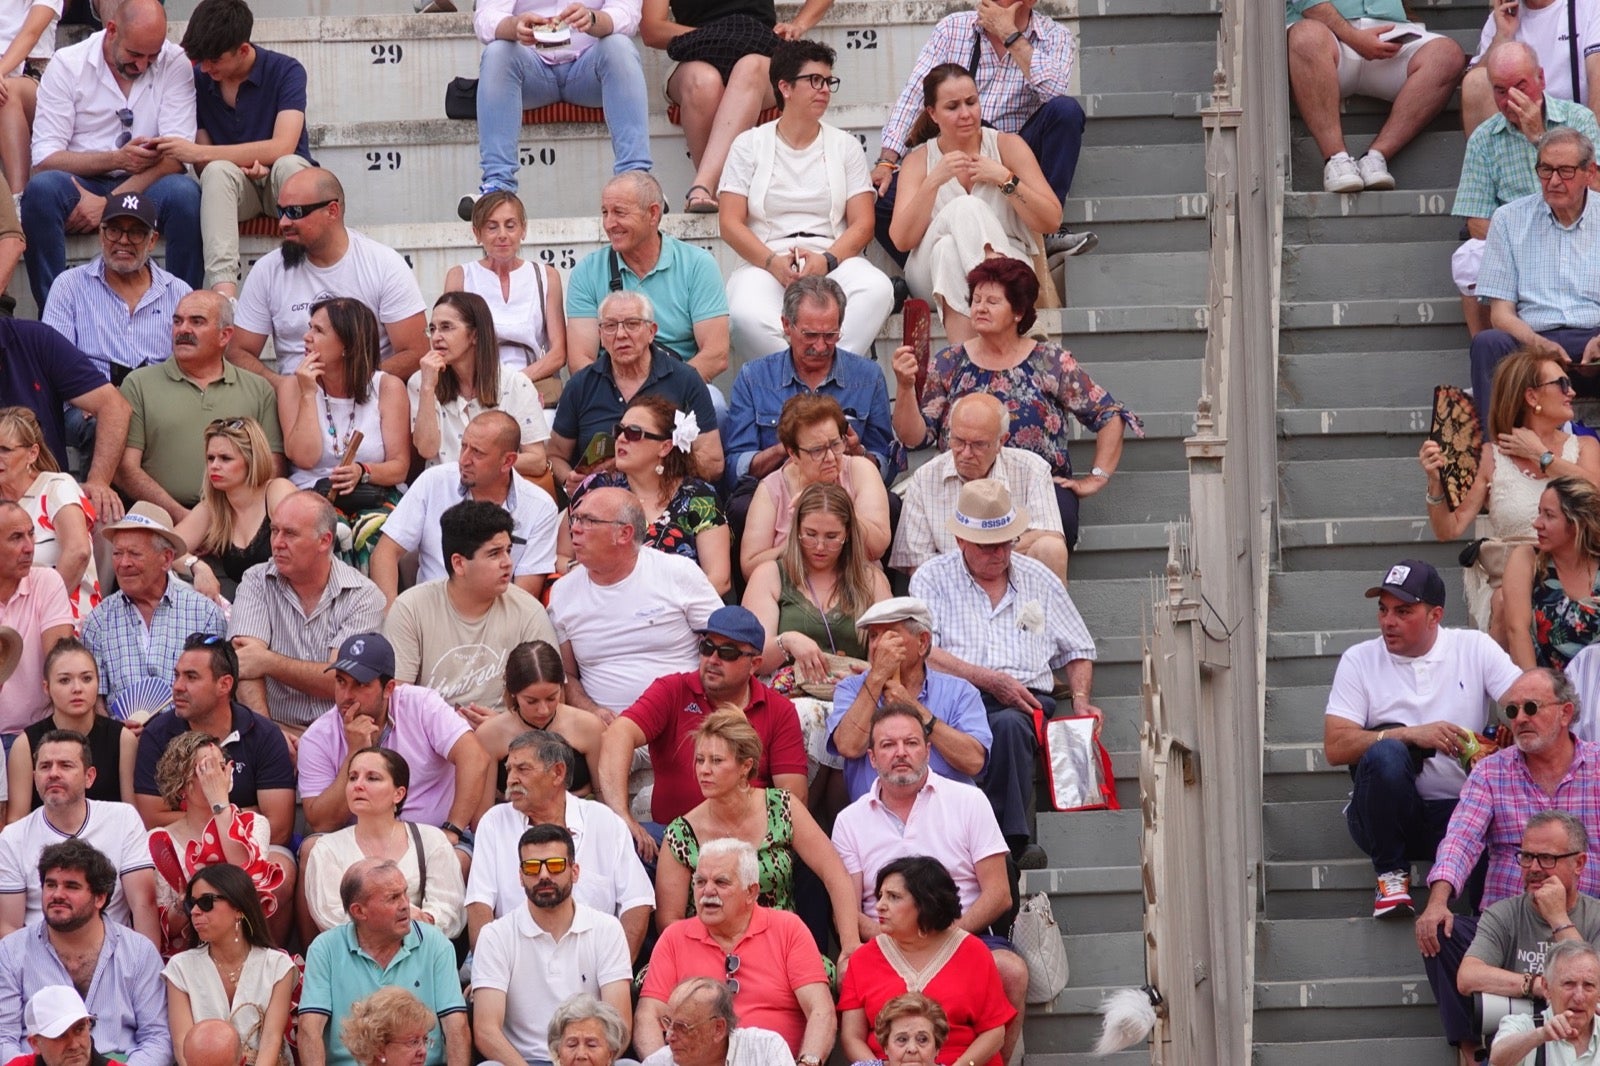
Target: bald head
{"points": [[217, 308], [212, 1042], [1515, 76], [501, 427], [135, 34], [140, 15], [977, 428], [312, 184]]}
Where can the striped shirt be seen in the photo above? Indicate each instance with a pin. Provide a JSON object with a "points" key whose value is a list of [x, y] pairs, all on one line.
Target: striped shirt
{"points": [[125, 649], [268, 609], [1008, 97], [1034, 629], [1551, 271], [83, 309], [1496, 803]]}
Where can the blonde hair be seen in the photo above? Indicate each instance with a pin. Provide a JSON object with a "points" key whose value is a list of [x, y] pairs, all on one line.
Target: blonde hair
{"points": [[734, 730], [176, 765], [246, 435], [374, 1021], [24, 425], [854, 590]]}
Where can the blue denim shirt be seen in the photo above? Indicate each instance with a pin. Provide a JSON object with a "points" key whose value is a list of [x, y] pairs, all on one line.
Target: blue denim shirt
{"points": [[764, 384]]}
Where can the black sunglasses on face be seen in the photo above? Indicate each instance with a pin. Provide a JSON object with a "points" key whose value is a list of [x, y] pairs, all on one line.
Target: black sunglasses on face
{"points": [[295, 212], [634, 434], [205, 901], [726, 652], [1527, 707]]}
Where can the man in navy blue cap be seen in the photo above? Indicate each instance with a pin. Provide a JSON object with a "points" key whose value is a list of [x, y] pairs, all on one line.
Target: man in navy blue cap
{"points": [[1403, 708], [673, 707]]}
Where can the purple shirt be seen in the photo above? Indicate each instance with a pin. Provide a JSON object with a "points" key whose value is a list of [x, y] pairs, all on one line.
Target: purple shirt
{"points": [[422, 728], [1496, 803]]}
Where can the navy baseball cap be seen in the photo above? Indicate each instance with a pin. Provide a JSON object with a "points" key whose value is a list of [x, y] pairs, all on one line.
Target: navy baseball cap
{"points": [[365, 657], [1412, 581], [737, 624], [136, 206]]}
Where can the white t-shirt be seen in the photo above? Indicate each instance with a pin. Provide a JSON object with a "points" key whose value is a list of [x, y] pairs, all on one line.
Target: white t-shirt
{"points": [[463, 661], [276, 301], [12, 15], [414, 523], [1451, 683], [537, 972], [1545, 31], [797, 199], [518, 398], [113, 829], [626, 635], [611, 879]]}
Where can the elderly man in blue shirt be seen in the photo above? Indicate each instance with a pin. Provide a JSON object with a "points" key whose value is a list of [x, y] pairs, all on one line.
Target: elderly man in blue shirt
{"points": [[1541, 271], [1341, 48]]}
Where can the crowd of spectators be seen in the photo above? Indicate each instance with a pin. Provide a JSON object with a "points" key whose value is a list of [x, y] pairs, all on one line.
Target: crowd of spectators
{"points": [[387, 683]]}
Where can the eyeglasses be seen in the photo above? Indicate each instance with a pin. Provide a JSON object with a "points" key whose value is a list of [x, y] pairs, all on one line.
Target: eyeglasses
{"points": [[959, 444], [822, 451], [822, 540], [682, 1028], [1545, 860], [634, 434], [1546, 171], [1563, 383], [819, 82], [415, 1043], [1007, 545], [826, 336], [531, 867], [632, 325], [1527, 707], [730, 966], [225, 423], [205, 901], [584, 521], [726, 652], [125, 234], [125, 116], [295, 212]]}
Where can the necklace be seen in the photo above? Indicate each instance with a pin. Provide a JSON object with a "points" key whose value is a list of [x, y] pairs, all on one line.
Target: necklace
{"points": [[340, 446], [230, 976], [822, 611]]}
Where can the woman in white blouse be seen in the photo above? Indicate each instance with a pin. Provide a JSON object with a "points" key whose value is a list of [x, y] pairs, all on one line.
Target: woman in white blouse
{"points": [[461, 377], [523, 297], [375, 791], [795, 200]]}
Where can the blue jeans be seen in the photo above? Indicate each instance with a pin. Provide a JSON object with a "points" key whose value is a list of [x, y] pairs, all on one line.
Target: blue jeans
{"points": [[1008, 778], [52, 195], [1388, 819], [607, 75]]}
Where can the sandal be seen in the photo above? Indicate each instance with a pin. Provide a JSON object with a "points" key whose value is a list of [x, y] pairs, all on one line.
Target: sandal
{"points": [[705, 205]]}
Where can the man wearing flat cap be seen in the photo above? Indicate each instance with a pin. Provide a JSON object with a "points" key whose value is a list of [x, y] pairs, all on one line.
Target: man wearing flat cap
{"points": [[1005, 623], [1401, 709]]}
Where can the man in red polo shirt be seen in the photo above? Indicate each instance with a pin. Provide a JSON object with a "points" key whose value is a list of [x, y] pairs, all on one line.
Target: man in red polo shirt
{"points": [[672, 708]]}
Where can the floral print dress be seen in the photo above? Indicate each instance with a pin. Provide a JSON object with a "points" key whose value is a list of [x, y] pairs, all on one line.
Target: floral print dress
{"points": [[693, 509], [1562, 626], [1040, 392]]}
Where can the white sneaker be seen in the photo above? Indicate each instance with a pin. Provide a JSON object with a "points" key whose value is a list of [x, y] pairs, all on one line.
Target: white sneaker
{"points": [[1341, 175], [1375, 171]]}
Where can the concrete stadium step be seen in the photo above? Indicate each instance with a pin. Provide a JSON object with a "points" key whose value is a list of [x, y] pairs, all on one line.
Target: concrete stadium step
{"points": [[1307, 831], [1333, 601], [1294, 712], [1337, 381], [1071, 1024], [1322, 949], [1336, 1007], [1091, 839], [1431, 161], [1338, 889], [1416, 1051], [1086, 1058], [1344, 488], [1295, 773], [1104, 898], [1353, 272]]}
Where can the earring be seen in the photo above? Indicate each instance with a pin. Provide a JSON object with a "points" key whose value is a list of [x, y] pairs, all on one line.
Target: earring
{"points": [[660, 469], [1538, 407]]}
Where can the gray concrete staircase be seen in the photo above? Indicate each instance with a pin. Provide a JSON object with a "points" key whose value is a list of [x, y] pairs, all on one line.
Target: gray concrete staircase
{"points": [[1370, 323], [1135, 314]]}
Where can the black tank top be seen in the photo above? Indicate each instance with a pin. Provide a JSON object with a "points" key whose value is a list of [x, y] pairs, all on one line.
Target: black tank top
{"points": [[105, 748]]}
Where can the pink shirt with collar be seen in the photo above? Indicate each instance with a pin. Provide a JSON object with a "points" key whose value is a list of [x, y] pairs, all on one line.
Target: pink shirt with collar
{"points": [[39, 603]]}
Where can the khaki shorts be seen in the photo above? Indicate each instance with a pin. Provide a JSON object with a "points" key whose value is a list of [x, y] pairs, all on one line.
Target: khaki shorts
{"points": [[1382, 78]]}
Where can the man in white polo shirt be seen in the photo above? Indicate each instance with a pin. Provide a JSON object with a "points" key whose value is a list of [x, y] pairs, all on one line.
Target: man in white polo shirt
{"points": [[1402, 709], [486, 471], [537, 956]]}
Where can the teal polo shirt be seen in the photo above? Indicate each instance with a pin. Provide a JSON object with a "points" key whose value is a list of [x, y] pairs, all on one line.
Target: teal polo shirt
{"points": [[685, 287], [339, 972]]}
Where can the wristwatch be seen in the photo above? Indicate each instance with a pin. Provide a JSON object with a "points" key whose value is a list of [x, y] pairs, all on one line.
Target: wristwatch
{"points": [[366, 474], [218, 808], [832, 261], [1545, 460], [1012, 39], [927, 727], [808, 1059], [1009, 187], [1098, 472]]}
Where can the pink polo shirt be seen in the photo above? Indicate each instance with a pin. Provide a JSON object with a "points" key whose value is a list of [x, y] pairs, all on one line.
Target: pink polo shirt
{"points": [[39, 603], [776, 956], [951, 821]]}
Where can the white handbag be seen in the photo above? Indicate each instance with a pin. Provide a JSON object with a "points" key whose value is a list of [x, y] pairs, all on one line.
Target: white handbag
{"points": [[1037, 938]]}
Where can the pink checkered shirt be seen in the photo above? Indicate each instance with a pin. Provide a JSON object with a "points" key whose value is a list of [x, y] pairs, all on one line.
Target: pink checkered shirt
{"points": [[1496, 803]]}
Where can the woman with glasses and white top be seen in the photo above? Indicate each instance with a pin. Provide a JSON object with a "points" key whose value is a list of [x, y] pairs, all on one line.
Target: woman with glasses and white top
{"points": [[795, 199], [655, 463], [822, 450], [236, 974]]}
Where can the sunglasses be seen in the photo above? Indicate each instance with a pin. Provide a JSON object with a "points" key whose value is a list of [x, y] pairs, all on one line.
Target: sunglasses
{"points": [[1563, 383], [635, 434], [205, 901], [125, 116], [726, 652], [531, 867], [225, 423], [295, 212], [1527, 707], [730, 966]]}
